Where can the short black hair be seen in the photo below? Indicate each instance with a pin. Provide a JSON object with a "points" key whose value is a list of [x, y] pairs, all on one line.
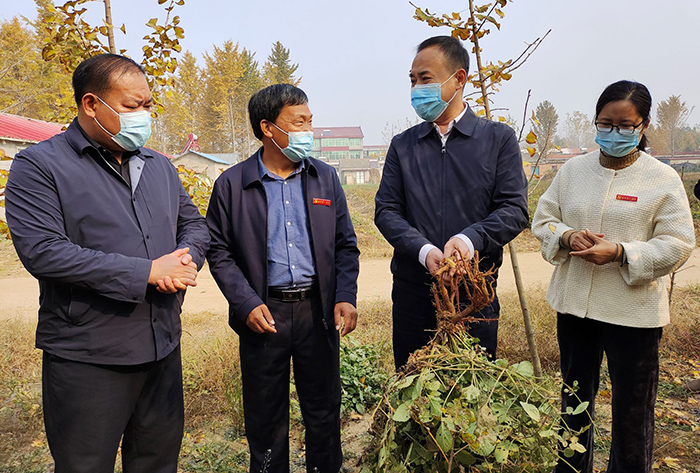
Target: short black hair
{"points": [[266, 104], [456, 55], [96, 74], [636, 93]]}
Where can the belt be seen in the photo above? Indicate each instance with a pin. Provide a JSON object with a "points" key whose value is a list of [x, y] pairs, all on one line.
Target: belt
{"points": [[291, 295]]}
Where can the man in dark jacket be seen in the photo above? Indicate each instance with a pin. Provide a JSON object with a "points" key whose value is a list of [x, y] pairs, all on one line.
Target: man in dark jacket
{"points": [[284, 253], [114, 240], [451, 185]]}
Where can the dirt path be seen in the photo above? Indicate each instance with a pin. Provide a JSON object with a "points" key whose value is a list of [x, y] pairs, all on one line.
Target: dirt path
{"points": [[19, 294]]}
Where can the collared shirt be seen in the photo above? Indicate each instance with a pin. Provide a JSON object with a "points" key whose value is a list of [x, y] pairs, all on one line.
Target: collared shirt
{"points": [[290, 260], [121, 168], [446, 135]]}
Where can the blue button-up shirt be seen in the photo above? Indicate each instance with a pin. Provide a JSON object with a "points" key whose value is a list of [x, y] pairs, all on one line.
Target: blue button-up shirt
{"points": [[290, 260]]}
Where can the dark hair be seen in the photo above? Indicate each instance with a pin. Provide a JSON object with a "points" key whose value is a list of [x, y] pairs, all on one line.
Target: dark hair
{"points": [[636, 93], [266, 104], [457, 57], [96, 75]]}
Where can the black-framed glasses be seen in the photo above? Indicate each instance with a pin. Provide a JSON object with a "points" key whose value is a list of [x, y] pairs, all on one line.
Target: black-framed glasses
{"points": [[623, 129]]}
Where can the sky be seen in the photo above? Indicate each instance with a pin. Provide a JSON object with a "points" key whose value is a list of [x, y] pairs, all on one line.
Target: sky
{"points": [[354, 56]]}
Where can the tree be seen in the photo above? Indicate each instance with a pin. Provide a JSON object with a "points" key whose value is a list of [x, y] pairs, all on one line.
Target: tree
{"points": [[29, 86], [579, 131], [545, 127], [68, 39], [278, 69], [182, 114], [224, 107], [671, 117]]}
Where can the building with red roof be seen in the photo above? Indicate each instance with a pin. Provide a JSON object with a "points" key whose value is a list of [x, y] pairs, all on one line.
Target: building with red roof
{"points": [[17, 133]]}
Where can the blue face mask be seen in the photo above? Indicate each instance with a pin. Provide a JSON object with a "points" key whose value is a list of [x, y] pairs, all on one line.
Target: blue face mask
{"points": [[426, 100], [301, 144], [134, 128], [615, 144]]}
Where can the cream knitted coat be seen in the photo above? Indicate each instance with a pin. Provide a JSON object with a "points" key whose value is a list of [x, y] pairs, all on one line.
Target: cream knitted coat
{"points": [[644, 207]]}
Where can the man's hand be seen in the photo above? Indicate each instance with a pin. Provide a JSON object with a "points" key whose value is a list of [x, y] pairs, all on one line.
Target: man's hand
{"points": [[347, 312], [457, 249], [581, 240], [433, 260], [601, 252], [260, 320], [173, 272]]}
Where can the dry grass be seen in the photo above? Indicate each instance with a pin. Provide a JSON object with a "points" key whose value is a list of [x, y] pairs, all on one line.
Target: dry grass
{"points": [[11, 264], [361, 205]]}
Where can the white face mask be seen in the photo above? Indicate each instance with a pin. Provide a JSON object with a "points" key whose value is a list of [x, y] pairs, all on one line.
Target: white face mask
{"points": [[134, 131]]}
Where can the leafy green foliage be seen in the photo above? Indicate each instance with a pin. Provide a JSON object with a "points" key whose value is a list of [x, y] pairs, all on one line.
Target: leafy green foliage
{"points": [[198, 186], [461, 410], [68, 39], [361, 380]]}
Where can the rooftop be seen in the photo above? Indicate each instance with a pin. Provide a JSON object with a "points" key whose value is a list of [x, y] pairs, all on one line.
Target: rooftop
{"points": [[338, 132], [18, 128]]}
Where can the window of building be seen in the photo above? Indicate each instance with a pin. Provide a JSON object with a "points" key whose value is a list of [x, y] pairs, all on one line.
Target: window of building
{"points": [[355, 141], [360, 177]]}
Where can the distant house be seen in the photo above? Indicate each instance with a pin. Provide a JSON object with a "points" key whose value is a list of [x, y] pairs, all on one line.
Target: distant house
{"points": [[683, 161], [208, 164], [374, 151], [18, 133], [358, 171], [552, 162], [340, 142]]}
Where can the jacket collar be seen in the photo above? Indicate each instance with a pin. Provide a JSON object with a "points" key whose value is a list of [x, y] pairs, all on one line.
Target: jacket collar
{"points": [[465, 125], [80, 144], [250, 170]]}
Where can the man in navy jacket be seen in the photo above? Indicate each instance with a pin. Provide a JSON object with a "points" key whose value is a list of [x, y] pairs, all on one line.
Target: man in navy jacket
{"points": [[114, 240], [452, 184], [284, 253]]}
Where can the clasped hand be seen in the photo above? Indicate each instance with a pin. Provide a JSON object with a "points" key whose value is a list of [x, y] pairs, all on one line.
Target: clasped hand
{"points": [[173, 272], [592, 247], [455, 248]]}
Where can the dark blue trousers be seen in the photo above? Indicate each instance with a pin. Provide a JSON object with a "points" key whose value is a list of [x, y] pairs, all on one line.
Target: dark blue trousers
{"points": [[633, 364], [89, 408], [302, 339]]}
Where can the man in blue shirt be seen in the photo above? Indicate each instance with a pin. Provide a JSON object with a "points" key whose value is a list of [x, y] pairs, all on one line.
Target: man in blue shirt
{"points": [[114, 240], [284, 253], [453, 184]]}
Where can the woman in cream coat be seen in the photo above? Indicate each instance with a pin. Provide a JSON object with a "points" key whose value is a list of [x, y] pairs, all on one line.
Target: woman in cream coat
{"points": [[615, 223]]}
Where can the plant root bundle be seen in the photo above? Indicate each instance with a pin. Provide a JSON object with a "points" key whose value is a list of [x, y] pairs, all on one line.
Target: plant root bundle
{"points": [[454, 410]]}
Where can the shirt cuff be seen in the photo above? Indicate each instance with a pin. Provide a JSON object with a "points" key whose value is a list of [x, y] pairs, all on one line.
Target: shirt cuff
{"points": [[466, 240], [423, 253]]}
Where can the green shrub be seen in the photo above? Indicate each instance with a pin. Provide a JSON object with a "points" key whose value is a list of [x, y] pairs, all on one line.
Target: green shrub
{"points": [[361, 379]]}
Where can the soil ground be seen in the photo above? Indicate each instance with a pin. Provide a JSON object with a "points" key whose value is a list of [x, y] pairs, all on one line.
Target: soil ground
{"points": [[19, 290]]}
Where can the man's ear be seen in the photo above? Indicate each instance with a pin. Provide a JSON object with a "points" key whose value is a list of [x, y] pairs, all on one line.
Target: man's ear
{"points": [[88, 103], [266, 128], [461, 76]]}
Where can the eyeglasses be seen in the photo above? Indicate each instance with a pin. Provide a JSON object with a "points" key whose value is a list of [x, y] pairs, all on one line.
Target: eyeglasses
{"points": [[623, 129]]}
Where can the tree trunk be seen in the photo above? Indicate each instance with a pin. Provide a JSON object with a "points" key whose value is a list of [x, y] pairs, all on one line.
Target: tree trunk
{"points": [[110, 26]]}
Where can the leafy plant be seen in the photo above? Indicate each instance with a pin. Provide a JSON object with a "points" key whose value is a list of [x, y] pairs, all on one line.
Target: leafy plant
{"points": [[452, 408], [362, 382], [198, 186]]}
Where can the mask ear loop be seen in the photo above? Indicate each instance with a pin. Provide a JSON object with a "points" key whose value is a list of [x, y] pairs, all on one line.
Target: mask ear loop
{"points": [[280, 129], [446, 80], [100, 124]]}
